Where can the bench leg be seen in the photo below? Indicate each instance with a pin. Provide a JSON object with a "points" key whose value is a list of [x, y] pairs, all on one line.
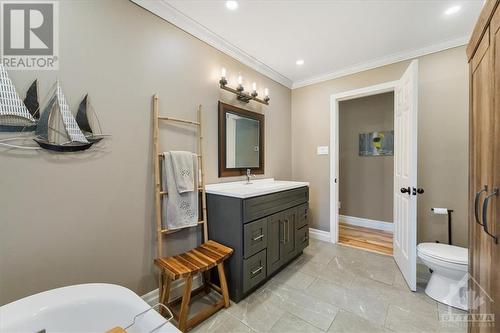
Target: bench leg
{"points": [[223, 284], [166, 285], [186, 298]]}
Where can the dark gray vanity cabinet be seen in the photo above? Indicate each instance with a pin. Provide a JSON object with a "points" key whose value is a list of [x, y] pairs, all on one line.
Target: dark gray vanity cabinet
{"points": [[266, 233]]}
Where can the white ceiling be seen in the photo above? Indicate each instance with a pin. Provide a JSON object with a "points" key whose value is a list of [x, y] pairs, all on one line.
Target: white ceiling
{"points": [[333, 37]]}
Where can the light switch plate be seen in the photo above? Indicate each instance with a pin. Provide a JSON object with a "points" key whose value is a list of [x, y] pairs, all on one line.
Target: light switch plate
{"points": [[322, 150]]}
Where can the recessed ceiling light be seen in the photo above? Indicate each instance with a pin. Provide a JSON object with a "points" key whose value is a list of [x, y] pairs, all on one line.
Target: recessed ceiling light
{"points": [[452, 10], [232, 5], [300, 62]]}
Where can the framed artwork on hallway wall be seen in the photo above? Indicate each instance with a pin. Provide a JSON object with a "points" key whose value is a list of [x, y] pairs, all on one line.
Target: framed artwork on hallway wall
{"points": [[376, 143]]}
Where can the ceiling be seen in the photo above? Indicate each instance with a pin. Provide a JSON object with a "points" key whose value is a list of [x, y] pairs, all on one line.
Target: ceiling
{"points": [[334, 38]]}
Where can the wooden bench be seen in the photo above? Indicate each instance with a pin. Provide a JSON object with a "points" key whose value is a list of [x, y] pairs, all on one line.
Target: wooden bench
{"points": [[186, 265]]}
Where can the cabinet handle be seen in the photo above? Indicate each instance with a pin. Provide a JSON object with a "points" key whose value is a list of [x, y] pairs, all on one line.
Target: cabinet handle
{"points": [[284, 235], [257, 270], [485, 213], [288, 230], [258, 237], [476, 204]]}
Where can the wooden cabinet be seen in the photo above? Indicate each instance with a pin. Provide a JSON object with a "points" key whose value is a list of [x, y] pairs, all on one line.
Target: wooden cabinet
{"points": [[483, 53], [281, 243], [266, 233]]}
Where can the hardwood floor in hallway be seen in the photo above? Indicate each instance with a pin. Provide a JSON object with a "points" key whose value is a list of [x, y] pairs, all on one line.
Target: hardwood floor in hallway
{"points": [[372, 240]]}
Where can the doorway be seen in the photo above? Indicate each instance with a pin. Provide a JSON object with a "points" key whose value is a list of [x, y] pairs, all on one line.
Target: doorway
{"points": [[405, 166], [366, 172]]}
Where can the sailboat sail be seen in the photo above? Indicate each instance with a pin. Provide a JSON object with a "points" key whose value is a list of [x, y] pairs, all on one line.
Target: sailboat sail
{"points": [[31, 100], [82, 118], [10, 102], [74, 132], [42, 129]]}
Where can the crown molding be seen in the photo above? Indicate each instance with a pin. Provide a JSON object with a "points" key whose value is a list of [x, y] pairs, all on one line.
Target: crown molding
{"points": [[180, 20], [390, 59], [167, 12]]}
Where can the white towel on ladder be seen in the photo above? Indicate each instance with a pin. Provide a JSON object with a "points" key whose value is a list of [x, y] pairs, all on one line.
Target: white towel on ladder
{"points": [[184, 172], [180, 210]]}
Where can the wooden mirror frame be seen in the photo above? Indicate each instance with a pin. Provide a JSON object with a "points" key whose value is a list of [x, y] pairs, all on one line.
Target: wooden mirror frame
{"points": [[231, 172]]}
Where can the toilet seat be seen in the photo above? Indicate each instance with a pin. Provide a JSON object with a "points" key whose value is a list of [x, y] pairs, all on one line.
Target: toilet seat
{"points": [[444, 252]]}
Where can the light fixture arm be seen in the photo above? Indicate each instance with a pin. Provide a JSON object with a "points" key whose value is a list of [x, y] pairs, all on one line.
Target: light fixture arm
{"points": [[240, 93]]}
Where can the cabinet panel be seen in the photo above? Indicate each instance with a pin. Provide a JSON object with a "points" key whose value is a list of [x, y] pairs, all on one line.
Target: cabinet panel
{"points": [[302, 211], [254, 270], [258, 207], [481, 169], [302, 238], [275, 236], [495, 203], [255, 237], [289, 223]]}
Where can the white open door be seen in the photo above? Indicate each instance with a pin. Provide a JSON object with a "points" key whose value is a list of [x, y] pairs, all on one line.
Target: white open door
{"points": [[405, 174]]}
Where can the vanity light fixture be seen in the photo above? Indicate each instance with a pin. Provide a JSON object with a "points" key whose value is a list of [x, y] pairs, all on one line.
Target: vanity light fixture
{"points": [[240, 90]]}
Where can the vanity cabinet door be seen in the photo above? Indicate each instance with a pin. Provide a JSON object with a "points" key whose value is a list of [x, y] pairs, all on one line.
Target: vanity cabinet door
{"points": [[302, 215], [255, 237], [302, 238], [289, 224], [275, 236], [254, 270]]}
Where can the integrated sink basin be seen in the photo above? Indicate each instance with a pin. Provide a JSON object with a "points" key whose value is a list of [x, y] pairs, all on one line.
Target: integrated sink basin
{"points": [[256, 187]]}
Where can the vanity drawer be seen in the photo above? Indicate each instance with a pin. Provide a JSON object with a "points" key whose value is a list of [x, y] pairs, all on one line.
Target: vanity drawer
{"points": [[254, 270], [265, 205], [302, 238], [255, 237], [302, 211]]}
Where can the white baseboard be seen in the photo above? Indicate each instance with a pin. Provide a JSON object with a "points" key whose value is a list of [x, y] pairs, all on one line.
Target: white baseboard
{"points": [[361, 222], [319, 234], [176, 291]]}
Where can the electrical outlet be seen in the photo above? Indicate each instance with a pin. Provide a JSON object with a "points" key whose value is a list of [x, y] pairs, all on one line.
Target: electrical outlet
{"points": [[322, 150]]}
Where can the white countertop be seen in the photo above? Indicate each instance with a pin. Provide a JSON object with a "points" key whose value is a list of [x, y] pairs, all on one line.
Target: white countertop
{"points": [[256, 187]]}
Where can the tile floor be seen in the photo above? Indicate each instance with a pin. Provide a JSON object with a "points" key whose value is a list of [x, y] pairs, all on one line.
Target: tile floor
{"points": [[334, 288]]}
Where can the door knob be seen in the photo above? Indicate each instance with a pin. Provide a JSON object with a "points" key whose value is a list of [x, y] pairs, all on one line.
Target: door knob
{"points": [[406, 190], [418, 191]]}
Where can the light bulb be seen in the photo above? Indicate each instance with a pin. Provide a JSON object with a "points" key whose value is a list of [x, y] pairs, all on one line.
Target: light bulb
{"points": [[223, 72], [254, 86], [240, 80], [266, 92]]}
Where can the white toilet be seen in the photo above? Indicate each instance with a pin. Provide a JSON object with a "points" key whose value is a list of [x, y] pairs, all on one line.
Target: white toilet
{"points": [[448, 282]]}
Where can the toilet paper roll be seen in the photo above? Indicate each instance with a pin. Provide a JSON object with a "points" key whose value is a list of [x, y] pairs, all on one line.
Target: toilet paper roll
{"points": [[440, 211]]}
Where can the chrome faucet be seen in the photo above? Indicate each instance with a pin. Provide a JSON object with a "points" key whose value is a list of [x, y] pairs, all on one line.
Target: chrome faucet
{"points": [[248, 176]]}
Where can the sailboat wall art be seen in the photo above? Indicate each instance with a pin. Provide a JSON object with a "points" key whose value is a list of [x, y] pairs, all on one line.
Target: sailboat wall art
{"points": [[87, 120], [17, 115], [57, 129]]}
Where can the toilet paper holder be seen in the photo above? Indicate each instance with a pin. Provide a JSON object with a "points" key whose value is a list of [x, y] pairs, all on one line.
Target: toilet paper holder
{"points": [[441, 211]]}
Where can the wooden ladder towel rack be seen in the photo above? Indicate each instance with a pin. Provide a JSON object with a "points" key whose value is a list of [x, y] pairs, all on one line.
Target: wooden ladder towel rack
{"points": [[208, 255], [158, 156]]}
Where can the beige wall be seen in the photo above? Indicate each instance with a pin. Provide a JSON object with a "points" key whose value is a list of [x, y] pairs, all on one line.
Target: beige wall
{"points": [[68, 219], [442, 132], [365, 182]]}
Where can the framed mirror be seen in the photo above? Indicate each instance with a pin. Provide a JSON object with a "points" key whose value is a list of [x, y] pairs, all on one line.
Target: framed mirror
{"points": [[241, 141]]}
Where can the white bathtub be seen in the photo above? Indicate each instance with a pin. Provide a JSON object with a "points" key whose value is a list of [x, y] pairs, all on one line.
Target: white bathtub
{"points": [[85, 308]]}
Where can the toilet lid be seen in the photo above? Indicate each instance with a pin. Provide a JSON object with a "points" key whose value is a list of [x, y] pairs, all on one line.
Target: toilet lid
{"points": [[445, 252]]}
